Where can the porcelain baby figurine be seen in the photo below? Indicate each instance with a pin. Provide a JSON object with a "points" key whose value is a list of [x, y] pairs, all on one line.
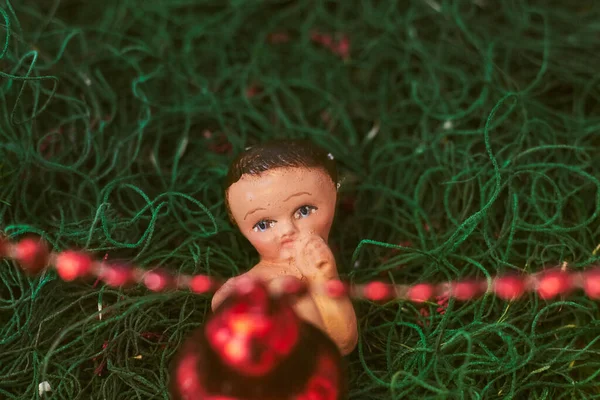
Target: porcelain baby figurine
{"points": [[282, 196]]}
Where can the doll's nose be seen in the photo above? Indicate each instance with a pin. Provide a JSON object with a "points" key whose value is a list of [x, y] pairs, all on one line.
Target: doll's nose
{"points": [[288, 230]]}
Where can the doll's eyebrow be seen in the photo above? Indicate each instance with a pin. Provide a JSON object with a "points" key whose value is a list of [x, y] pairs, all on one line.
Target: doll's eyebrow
{"points": [[297, 194], [293, 195], [253, 211]]}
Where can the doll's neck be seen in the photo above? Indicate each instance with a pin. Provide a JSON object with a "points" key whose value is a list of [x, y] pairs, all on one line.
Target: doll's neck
{"points": [[273, 268]]}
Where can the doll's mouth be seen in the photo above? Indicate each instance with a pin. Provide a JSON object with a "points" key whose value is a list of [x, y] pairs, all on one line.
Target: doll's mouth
{"points": [[287, 242]]}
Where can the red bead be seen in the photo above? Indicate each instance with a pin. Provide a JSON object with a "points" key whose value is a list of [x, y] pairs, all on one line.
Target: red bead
{"points": [[32, 254], [71, 265], [246, 285], [201, 284], [293, 286], [553, 283], [117, 275], [509, 287], [158, 280], [464, 291], [335, 288], [591, 284], [420, 293], [377, 291]]}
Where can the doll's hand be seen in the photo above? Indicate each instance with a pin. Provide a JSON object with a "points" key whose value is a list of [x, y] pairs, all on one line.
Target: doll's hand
{"points": [[314, 259]]}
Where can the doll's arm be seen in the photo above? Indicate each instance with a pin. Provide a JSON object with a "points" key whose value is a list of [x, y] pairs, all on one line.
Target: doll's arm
{"points": [[338, 316], [222, 293], [335, 317], [316, 263]]}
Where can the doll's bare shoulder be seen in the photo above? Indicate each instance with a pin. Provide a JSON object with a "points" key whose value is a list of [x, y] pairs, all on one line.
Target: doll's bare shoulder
{"points": [[225, 290]]}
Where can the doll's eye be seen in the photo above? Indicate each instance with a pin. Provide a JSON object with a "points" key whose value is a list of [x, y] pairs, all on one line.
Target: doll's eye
{"points": [[304, 211], [263, 225]]}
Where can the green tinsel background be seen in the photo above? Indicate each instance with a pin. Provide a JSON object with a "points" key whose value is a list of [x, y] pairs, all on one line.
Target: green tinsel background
{"points": [[467, 132]]}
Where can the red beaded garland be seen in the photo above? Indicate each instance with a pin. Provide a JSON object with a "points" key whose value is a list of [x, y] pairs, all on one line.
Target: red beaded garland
{"points": [[464, 291], [591, 284], [420, 293], [377, 291], [158, 280], [335, 288], [32, 254], [71, 265], [200, 284], [117, 275], [553, 283], [294, 287], [509, 287]]}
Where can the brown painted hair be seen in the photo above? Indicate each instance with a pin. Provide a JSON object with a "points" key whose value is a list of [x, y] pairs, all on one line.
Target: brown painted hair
{"points": [[279, 154]]}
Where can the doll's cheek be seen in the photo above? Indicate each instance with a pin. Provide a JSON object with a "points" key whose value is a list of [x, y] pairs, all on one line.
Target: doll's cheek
{"points": [[262, 243], [322, 225]]}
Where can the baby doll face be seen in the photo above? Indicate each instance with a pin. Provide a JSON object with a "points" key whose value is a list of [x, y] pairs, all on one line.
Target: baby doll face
{"points": [[275, 208]]}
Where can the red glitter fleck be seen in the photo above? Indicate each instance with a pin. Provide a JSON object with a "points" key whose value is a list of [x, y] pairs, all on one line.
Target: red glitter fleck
{"points": [[220, 144], [278, 37], [253, 90], [423, 312], [442, 302], [342, 48], [100, 368]]}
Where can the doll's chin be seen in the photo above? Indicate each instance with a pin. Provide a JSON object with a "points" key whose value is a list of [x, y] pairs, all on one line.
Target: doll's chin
{"points": [[286, 253]]}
